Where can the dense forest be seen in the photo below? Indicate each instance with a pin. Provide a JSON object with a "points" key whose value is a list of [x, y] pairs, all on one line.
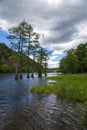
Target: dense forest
{"points": [[75, 60]]}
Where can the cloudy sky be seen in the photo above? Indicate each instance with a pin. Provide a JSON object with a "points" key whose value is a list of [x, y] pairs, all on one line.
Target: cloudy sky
{"points": [[63, 22]]}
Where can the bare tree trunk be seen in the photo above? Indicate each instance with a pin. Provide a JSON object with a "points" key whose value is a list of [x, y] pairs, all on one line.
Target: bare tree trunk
{"points": [[20, 69], [40, 75], [33, 68], [45, 72], [32, 74], [17, 65], [45, 69], [16, 75], [21, 64], [39, 71], [28, 74]]}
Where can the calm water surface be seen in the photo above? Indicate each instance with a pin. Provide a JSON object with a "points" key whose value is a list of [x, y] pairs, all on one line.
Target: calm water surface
{"points": [[22, 110]]}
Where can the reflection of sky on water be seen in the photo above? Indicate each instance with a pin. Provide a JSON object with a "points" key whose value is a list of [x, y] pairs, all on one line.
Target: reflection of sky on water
{"points": [[22, 110]]}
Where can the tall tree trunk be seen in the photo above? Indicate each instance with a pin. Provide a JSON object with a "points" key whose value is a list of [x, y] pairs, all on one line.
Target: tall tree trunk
{"points": [[39, 71], [28, 73], [21, 61], [45, 68], [45, 72], [20, 69], [33, 68], [40, 75], [17, 65], [32, 74], [16, 75]]}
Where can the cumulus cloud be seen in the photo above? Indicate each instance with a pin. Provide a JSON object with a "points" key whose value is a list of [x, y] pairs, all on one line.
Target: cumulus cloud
{"points": [[63, 22]]}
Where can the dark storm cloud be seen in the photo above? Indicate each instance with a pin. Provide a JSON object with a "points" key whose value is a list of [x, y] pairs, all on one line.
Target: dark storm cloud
{"points": [[60, 21], [61, 36], [65, 25], [15, 11]]}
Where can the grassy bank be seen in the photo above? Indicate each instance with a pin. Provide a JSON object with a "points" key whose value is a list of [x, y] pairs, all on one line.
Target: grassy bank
{"points": [[71, 87]]}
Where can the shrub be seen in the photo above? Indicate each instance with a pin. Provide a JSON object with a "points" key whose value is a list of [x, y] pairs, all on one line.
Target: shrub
{"points": [[4, 68]]}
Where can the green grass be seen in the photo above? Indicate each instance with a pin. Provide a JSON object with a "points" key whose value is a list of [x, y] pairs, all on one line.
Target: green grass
{"points": [[71, 87]]}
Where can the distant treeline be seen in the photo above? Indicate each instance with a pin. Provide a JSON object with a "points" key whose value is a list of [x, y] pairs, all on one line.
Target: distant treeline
{"points": [[75, 60], [53, 70]]}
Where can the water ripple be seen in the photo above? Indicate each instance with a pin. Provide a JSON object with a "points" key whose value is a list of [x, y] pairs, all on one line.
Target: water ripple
{"points": [[21, 110]]}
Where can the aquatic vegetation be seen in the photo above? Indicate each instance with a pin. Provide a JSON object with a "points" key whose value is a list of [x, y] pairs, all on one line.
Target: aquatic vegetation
{"points": [[71, 86]]}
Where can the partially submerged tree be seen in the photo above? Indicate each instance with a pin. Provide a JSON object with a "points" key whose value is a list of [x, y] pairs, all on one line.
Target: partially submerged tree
{"points": [[15, 44], [21, 32], [42, 58], [23, 39], [17, 38], [46, 54], [34, 49], [29, 33]]}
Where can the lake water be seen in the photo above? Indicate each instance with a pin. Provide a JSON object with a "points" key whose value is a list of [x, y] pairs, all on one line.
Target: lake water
{"points": [[22, 110]]}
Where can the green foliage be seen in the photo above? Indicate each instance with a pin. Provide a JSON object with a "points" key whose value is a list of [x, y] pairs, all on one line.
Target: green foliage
{"points": [[26, 42], [8, 59], [75, 60], [71, 87], [55, 70], [42, 58], [4, 68]]}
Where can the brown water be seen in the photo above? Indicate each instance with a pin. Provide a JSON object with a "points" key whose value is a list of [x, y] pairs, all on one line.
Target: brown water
{"points": [[21, 110]]}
